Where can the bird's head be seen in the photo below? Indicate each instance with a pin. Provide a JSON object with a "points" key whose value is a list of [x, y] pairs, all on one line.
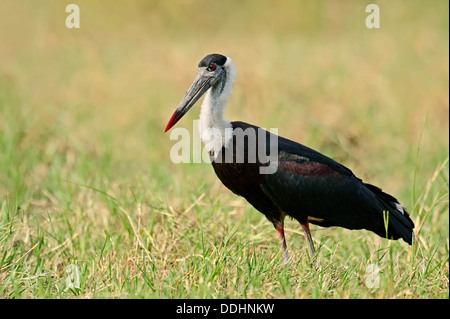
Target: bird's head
{"points": [[212, 72]]}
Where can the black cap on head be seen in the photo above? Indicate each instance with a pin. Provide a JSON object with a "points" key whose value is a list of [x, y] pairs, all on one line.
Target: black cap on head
{"points": [[218, 59]]}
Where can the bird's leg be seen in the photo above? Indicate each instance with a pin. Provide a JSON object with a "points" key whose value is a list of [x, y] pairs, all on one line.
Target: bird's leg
{"points": [[280, 231], [308, 238]]}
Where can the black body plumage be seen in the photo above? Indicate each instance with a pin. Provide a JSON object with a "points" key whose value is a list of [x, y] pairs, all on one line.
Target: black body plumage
{"points": [[311, 187]]}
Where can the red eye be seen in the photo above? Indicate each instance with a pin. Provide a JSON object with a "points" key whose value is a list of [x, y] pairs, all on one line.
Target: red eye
{"points": [[212, 67]]}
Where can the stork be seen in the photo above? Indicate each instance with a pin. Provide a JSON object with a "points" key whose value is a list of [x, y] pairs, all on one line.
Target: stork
{"points": [[306, 185]]}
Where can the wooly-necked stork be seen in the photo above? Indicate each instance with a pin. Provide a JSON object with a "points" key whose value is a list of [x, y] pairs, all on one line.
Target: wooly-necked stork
{"points": [[306, 185]]}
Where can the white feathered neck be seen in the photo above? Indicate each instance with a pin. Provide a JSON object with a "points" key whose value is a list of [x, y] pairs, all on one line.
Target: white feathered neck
{"points": [[215, 131]]}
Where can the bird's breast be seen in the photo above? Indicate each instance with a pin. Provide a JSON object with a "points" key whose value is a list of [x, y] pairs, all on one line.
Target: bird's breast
{"points": [[237, 170]]}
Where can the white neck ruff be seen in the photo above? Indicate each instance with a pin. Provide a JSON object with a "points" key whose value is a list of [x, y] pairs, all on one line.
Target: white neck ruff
{"points": [[215, 131]]}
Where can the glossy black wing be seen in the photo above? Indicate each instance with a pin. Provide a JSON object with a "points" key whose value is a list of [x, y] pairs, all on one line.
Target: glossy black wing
{"points": [[312, 187]]}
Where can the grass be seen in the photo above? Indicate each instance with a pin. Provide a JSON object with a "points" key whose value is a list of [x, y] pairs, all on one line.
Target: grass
{"points": [[85, 175]]}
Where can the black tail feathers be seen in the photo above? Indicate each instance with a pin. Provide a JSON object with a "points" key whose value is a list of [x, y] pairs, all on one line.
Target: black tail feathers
{"points": [[396, 221]]}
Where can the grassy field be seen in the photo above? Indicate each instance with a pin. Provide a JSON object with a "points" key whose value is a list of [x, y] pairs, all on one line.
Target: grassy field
{"points": [[86, 180]]}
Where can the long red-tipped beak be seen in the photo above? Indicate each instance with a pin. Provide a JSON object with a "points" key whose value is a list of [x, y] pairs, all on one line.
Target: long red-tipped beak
{"points": [[200, 85], [173, 120]]}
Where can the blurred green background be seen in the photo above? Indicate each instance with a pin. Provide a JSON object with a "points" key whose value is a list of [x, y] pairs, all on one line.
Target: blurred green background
{"points": [[310, 68], [85, 108]]}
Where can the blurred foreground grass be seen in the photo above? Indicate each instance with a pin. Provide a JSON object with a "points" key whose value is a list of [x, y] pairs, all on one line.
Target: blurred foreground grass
{"points": [[85, 173]]}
